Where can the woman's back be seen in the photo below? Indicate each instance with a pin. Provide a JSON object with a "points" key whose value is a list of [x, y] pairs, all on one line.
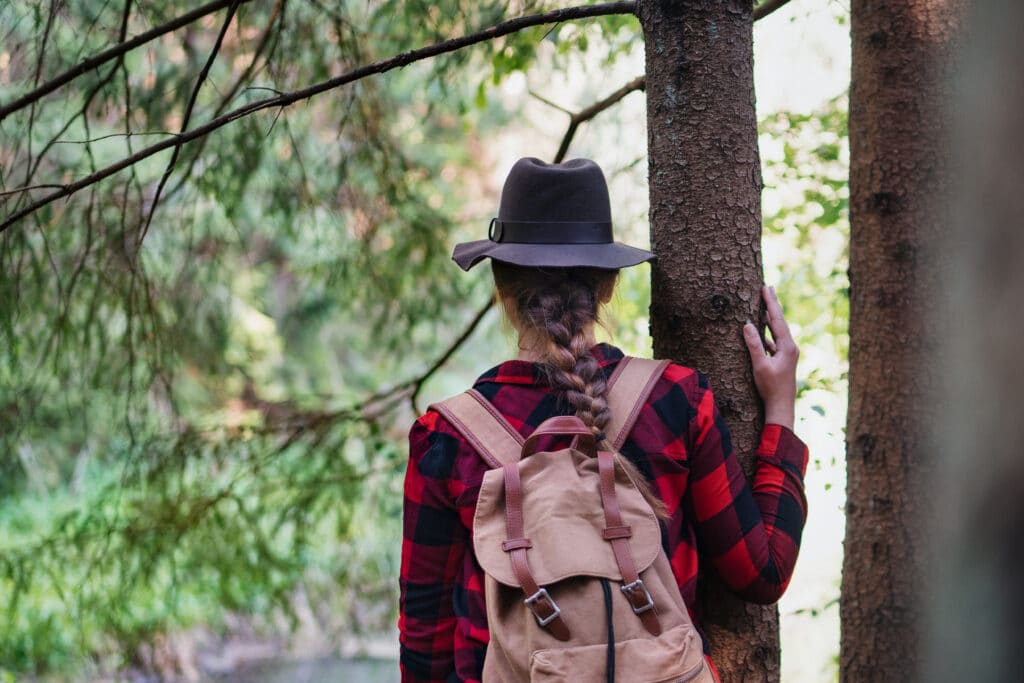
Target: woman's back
{"points": [[680, 446]]}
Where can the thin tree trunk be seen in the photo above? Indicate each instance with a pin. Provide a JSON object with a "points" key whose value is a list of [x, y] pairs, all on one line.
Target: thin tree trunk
{"points": [[898, 184], [705, 192]]}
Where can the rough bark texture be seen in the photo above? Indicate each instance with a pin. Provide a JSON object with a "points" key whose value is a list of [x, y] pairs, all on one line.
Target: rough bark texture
{"points": [[978, 508], [705, 192], [899, 182]]}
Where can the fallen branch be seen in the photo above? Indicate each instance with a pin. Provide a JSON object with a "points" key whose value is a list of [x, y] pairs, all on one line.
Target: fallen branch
{"points": [[288, 98]]}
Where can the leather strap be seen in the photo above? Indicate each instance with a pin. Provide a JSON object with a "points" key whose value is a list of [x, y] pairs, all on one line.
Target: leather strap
{"points": [[538, 600], [628, 388], [563, 425], [480, 423], [617, 534]]}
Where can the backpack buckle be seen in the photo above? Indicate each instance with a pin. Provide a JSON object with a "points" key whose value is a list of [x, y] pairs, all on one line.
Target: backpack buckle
{"points": [[628, 589], [532, 601]]}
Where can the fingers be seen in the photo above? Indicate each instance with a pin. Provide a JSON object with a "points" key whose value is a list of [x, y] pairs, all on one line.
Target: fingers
{"points": [[754, 345], [776, 322]]}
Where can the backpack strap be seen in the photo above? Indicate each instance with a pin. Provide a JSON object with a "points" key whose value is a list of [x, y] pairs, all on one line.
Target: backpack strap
{"points": [[475, 418], [617, 533], [538, 600], [479, 422], [629, 387]]}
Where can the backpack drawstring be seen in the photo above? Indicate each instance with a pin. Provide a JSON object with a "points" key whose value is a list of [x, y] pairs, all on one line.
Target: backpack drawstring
{"points": [[610, 658]]}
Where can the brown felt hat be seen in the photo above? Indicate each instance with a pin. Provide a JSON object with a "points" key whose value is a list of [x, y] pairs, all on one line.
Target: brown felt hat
{"points": [[555, 216]]}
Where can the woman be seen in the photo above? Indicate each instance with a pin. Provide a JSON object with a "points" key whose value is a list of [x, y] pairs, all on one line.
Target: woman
{"points": [[555, 263]]}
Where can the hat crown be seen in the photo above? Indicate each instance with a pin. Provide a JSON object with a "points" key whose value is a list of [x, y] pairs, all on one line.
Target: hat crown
{"points": [[571, 191], [552, 216]]}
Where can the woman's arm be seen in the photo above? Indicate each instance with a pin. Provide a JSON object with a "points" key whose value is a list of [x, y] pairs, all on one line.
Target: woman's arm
{"points": [[752, 532], [433, 543]]}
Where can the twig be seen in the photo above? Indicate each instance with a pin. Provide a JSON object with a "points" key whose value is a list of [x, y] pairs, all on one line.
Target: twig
{"points": [[295, 424], [230, 95], [29, 188], [767, 7], [82, 112], [111, 53], [593, 110], [39, 71], [285, 99], [188, 113], [550, 103], [448, 353], [248, 71], [128, 134]]}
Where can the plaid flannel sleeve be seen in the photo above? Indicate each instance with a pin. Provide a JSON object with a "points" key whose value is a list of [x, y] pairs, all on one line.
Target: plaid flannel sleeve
{"points": [[751, 531], [433, 543]]}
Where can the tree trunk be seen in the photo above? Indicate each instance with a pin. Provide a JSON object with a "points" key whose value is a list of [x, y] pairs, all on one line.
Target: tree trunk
{"points": [[979, 598], [705, 193], [898, 185]]}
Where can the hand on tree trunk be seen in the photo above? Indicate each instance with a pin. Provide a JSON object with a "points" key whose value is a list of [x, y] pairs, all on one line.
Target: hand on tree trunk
{"points": [[774, 362]]}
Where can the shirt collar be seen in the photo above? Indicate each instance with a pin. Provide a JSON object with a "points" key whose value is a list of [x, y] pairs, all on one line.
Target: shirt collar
{"points": [[527, 372]]}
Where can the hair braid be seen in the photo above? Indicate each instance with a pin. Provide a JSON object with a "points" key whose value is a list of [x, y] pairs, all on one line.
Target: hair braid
{"points": [[563, 312], [556, 308]]}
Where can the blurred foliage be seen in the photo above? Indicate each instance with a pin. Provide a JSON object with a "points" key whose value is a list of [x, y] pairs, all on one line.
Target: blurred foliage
{"points": [[194, 413], [196, 418], [806, 232]]}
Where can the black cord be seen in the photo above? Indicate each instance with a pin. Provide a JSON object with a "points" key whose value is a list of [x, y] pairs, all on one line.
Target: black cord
{"points": [[610, 666]]}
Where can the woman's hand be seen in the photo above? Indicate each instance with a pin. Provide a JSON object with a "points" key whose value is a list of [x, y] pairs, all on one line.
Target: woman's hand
{"points": [[774, 367]]}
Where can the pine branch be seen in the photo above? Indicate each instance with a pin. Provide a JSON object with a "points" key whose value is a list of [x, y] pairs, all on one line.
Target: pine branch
{"points": [[188, 113], [264, 40], [39, 71], [288, 98], [82, 111], [109, 54]]}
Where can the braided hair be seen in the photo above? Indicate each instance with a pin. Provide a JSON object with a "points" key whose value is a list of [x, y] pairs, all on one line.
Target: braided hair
{"points": [[554, 310]]}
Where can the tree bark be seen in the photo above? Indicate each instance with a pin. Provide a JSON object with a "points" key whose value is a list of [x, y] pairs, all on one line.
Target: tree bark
{"points": [[705, 216], [898, 184]]}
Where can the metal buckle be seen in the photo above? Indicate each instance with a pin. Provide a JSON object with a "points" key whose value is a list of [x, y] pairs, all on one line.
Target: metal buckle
{"points": [[532, 600], [495, 235], [628, 589]]}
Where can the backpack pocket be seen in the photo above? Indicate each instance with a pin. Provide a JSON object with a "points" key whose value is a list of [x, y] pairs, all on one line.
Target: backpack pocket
{"points": [[675, 656]]}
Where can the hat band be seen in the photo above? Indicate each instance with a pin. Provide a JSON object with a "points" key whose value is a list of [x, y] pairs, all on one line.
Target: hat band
{"points": [[550, 232]]}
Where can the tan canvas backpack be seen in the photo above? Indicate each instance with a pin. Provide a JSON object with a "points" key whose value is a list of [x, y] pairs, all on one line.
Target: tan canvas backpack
{"points": [[578, 587]]}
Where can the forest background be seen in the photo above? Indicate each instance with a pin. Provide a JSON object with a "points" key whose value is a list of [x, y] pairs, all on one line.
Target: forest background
{"points": [[202, 432]]}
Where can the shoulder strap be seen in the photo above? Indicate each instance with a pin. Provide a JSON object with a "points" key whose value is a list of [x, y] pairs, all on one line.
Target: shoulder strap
{"points": [[630, 385], [498, 443], [479, 422]]}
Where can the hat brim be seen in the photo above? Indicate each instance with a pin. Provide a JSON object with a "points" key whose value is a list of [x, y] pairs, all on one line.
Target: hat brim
{"points": [[609, 256]]}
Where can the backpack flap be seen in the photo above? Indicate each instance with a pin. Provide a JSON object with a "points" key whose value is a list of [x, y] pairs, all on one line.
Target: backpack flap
{"points": [[563, 520]]}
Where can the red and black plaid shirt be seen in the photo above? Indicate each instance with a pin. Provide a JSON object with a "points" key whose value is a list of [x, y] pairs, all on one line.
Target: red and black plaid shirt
{"points": [[750, 532]]}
